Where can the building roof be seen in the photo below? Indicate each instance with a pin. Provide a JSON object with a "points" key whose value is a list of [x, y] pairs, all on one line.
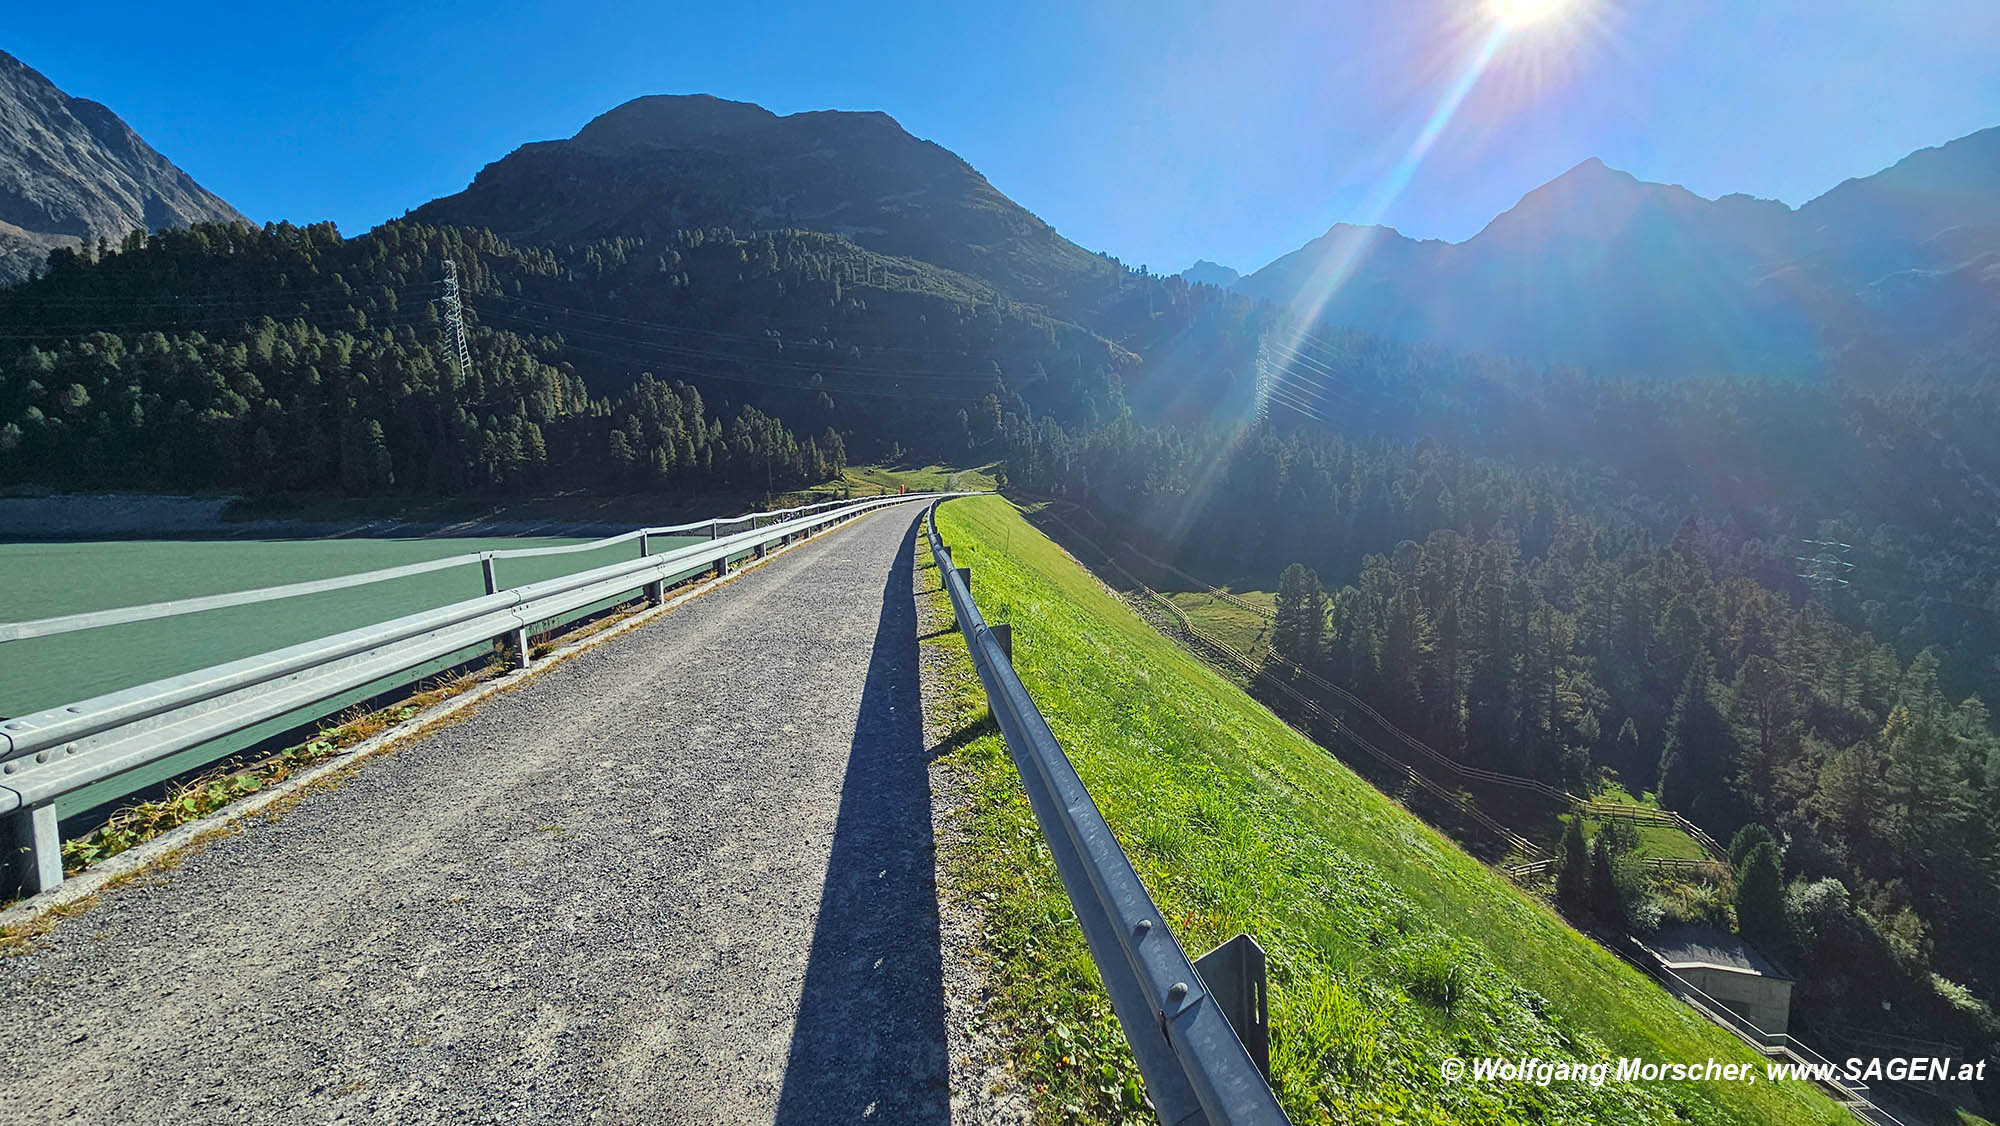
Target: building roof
{"points": [[1698, 947]]}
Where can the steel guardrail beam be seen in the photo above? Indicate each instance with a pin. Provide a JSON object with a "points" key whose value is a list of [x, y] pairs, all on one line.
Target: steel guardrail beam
{"points": [[57, 751], [124, 615], [1196, 1069]]}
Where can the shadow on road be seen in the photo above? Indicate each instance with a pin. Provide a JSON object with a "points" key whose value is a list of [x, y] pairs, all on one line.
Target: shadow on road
{"points": [[870, 1040]]}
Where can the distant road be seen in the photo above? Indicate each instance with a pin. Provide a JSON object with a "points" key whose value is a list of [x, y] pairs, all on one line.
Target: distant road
{"points": [[686, 876]]}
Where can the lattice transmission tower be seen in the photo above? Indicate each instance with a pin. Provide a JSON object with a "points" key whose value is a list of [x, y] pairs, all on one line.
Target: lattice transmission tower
{"points": [[1825, 570], [454, 319], [1264, 379]]}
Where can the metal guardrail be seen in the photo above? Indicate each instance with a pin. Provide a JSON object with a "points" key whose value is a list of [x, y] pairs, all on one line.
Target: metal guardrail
{"points": [[122, 615], [49, 754], [1195, 1067]]}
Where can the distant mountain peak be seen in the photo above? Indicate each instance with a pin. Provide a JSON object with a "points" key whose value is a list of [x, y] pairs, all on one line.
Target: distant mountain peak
{"points": [[670, 119], [665, 121], [675, 161], [71, 169], [1593, 166], [1205, 272], [1599, 267]]}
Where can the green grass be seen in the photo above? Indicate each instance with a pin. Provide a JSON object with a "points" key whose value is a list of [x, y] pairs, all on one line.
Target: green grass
{"points": [[866, 479], [1613, 792], [1391, 949], [1243, 629], [1668, 842]]}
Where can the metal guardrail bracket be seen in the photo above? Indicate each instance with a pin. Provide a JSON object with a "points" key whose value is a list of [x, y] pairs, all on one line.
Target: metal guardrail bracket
{"points": [[1234, 973], [965, 576], [1004, 634], [38, 848]]}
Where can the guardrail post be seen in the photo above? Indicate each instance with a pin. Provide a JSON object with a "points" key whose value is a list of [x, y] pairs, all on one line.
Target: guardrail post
{"points": [[965, 576], [1234, 973], [518, 642], [1004, 634], [656, 591], [39, 848], [486, 568], [715, 529], [645, 544], [722, 566]]}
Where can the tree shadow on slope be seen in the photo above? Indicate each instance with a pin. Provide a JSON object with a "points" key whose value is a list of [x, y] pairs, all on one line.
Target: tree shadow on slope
{"points": [[869, 1043]]}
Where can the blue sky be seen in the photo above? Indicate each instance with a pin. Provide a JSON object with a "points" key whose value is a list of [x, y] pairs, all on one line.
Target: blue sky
{"points": [[1159, 131]]}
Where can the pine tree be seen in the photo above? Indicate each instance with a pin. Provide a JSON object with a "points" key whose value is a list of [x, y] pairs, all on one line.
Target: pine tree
{"points": [[1696, 747], [1747, 838], [1299, 630], [1605, 900], [1573, 868], [1760, 899]]}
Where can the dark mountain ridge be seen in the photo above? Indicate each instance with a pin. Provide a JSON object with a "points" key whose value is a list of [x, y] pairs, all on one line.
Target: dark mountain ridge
{"points": [[1600, 268], [71, 171], [670, 162], [1205, 272]]}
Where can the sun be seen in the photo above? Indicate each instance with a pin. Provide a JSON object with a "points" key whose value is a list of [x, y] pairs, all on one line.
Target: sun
{"points": [[1513, 14]]}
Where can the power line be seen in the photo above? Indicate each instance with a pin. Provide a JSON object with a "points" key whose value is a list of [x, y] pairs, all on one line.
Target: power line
{"points": [[683, 351], [1296, 360], [695, 352], [659, 327], [675, 366], [73, 332], [213, 298], [1286, 397], [1305, 381]]}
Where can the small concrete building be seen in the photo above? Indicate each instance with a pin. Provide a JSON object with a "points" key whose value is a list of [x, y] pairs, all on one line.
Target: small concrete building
{"points": [[1730, 970]]}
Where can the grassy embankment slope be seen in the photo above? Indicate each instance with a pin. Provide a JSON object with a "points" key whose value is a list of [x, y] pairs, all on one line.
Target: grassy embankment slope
{"points": [[1391, 949], [867, 479], [1250, 633]]}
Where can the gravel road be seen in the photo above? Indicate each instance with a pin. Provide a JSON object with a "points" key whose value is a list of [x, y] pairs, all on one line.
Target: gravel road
{"points": [[687, 876]]}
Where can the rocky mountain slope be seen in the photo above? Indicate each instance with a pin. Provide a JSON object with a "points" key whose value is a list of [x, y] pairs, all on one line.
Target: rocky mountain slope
{"points": [[70, 170], [1599, 268]]}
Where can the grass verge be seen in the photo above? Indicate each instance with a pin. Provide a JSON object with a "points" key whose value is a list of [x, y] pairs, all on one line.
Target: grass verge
{"points": [[1391, 949], [196, 798]]}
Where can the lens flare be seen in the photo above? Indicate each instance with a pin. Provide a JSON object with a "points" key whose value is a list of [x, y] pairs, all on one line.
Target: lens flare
{"points": [[1524, 13], [1516, 48]]}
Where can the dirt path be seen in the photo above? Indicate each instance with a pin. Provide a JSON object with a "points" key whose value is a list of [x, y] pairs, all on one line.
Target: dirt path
{"points": [[687, 876]]}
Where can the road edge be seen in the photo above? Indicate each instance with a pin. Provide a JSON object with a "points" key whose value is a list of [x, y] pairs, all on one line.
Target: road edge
{"points": [[77, 893]]}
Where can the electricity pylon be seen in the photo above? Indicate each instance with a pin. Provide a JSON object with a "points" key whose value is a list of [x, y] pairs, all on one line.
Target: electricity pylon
{"points": [[454, 319], [1827, 567], [1263, 381]]}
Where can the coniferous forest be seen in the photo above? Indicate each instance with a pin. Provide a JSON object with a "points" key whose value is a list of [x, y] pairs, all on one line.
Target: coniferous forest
{"points": [[1579, 620], [1583, 578]]}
